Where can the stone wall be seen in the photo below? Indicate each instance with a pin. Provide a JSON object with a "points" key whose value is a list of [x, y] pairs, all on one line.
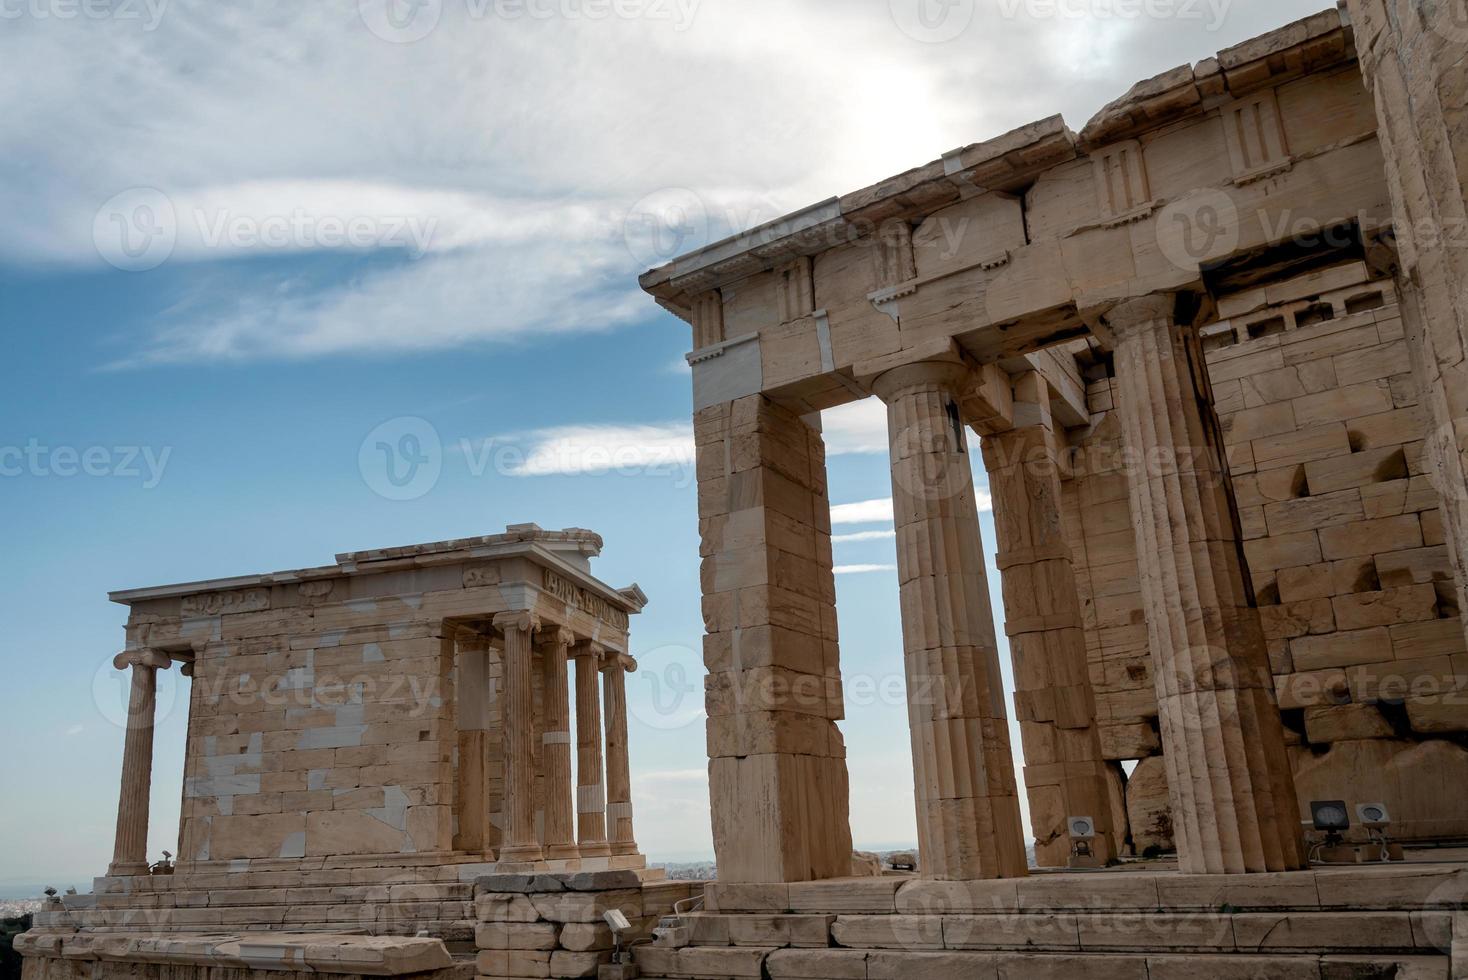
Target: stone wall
{"points": [[553, 926], [1345, 545]]}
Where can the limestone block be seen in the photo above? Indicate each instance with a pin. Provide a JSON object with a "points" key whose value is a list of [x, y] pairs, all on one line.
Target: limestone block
{"points": [[781, 930], [1444, 714], [1307, 931], [1234, 968], [513, 963], [1343, 722], [516, 935], [565, 963], [809, 964], [587, 906], [1149, 811], [1389, 772], [1289, 890], [1135, 740], [1371, 537], [1052, 930], [1387, 608], [1342, 649], [1147, 932], [888, 931], [586, 937], [875, 895], [493, 907]]}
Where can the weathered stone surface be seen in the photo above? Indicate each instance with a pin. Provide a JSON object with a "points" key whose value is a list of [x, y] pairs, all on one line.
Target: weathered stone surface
{"points": [[1149, 810]]}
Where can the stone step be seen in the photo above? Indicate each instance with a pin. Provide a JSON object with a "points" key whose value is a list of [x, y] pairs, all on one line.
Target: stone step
{"points": [[1425, 932], [708, 963]]}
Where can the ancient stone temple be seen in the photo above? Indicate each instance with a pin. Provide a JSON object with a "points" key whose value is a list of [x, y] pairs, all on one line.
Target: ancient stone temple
{"points": [[365, 741], [1209, 352]]}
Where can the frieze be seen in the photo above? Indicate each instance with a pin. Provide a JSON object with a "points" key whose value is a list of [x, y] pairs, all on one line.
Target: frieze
{"points": [[588, 602], [224, 603]]}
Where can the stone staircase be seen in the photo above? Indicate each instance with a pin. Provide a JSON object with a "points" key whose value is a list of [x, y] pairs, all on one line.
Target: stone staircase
{"points": [[1386, 923]]}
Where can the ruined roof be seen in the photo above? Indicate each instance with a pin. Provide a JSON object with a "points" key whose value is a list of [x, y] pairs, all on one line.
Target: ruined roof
{"points": [[570, 549], [1012, 161]]}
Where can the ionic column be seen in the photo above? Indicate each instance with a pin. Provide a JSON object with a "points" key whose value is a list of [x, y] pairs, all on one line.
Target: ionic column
{"points": [[591, 790], [1233, 795], [130, 846], [619, 768], [967, 804], [471, 706], [1065, 775], [520, 843], [560, 841]]}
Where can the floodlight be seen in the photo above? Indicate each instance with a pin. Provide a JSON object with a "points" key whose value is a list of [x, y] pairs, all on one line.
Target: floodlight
{"points": [[1330, 816], [1374, 816], [1082, 828]]}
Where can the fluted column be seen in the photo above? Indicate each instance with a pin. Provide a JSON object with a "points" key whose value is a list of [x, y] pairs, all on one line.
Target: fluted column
{"points": [[520, 843], [967, 803], [1233, 796], [1065, 775], [471, 704], [130, 846], [591, 790], [619, 768], [560, 840]]}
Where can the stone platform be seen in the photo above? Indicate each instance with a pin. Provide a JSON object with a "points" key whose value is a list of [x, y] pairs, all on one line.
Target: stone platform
{"points": [[1359, 923]]}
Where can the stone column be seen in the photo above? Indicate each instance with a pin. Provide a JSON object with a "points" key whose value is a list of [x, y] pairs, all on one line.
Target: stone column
{"points": [[1065, 775], [1412, 60], [130, 846], [471, 703], [1233, 795], [619, 767], [591, 790], [560, 839], [967, 802], [520, 843], [777, 763]]}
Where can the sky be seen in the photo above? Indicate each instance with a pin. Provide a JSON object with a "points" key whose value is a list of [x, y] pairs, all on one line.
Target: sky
{"points": [[246, 242]]}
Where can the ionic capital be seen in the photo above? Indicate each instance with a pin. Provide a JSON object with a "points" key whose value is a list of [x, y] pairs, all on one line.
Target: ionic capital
{"points": [[615, 660], [557, 636], [590, 650], [471, 642], [522, 620], [142, 658], [1158, 309]]}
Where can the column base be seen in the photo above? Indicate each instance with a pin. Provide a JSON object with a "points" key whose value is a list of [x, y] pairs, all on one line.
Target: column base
{"points": [[598, 849], [521, 855], [562, 852], [116, 870], [619, 850]]}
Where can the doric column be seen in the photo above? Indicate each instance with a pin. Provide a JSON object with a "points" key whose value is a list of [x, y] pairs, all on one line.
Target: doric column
{"points": [[619, 768], [560, 839], [778, 789], [1233, 797], [591, 789], [967, 804], [471, 704], [520, 843], [1065, 775], [130, 846]]}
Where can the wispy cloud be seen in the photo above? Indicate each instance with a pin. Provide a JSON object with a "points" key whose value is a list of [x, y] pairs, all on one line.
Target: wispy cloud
{"points": [[860, 427], [859, 536], [863, 512], [863, 569]]}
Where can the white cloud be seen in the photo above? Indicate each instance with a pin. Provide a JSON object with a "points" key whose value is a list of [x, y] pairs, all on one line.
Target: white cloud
{"points": [[592, 449], [860, 427], [863, 536], [863, 569], [864, 512], [525, 143]]}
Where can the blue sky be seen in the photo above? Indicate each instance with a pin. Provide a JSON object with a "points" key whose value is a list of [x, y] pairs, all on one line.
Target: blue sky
{"points": [[340, 226]]}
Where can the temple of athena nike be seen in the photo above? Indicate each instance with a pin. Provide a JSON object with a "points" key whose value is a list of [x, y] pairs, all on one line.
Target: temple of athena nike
{"points": [[1212, 353]]}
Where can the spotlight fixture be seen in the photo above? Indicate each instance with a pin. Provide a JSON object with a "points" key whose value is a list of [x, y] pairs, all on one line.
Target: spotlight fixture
{"points": [[1082, 828], [1330, 816], [1373, 816]]}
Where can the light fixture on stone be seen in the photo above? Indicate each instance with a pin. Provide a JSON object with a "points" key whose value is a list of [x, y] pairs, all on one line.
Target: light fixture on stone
{"points": [[1082, 853], [1376, 818]]}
